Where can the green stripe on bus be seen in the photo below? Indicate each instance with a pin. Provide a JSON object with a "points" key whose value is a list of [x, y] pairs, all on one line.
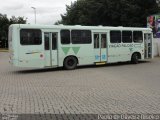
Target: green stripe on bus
{"points": [[65, 50], [76, 49]]}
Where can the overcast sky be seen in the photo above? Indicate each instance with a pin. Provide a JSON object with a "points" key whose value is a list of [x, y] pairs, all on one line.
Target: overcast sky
{"points": [[48, 11]]}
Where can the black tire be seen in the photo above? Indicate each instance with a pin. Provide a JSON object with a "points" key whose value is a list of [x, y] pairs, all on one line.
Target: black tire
{"points": [[134, 58], [70, 63]]}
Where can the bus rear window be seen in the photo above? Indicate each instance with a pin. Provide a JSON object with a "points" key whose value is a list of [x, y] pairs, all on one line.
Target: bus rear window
{"points": [[30, 37]]}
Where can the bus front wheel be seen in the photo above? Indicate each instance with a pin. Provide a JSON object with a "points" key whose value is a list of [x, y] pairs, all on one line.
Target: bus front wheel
{"points": [[70, 63], [134, 58]]}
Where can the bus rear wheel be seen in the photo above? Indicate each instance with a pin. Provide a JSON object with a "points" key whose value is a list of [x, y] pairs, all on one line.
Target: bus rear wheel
{"points": [[70, 63], [134, 58]]}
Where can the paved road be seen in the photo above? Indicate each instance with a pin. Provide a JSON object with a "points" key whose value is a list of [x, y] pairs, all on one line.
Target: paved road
{"points": [[116, 88]]}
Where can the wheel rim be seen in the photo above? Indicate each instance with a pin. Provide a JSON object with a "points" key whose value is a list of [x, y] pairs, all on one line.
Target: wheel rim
{"points": [[136, 57], [70, 62]]}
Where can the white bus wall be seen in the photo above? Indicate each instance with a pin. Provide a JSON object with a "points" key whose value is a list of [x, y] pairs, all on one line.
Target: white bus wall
{"points": [[156, 46], [122, 54], [85, 55], [29, 60], [13, 51]]}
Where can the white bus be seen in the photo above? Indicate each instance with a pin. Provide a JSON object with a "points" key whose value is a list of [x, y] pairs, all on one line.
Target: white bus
{"points": [[44, 46]]}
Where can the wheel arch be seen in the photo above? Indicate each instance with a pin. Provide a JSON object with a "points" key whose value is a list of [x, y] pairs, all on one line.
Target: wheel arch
{"points": [[71, 56], [138, 54]]}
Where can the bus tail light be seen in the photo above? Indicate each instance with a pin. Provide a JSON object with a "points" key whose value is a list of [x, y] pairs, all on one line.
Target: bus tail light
{"points": [[41, 55]]}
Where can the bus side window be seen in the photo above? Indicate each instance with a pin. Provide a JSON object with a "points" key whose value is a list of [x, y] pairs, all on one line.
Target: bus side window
{"points": [[127, 36], [81, 37], [65, 36], [115, 36], [137, 36]]}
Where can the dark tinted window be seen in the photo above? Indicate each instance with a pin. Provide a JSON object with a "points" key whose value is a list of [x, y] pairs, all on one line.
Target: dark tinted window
{"points": [[54, 41], [81, 36], [65, 36], [137, 36], [103, 41], [115, 36], [96, 40], [46, 41], [126, 36], [30, 37]]}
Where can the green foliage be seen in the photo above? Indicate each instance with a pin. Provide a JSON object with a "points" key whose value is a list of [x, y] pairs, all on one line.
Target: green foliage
{"points": [[18, 20], [4, 25], [109, 12]]}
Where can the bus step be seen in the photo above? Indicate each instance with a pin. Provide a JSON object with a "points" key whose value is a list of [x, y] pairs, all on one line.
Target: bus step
{"points": [[100, 63]]}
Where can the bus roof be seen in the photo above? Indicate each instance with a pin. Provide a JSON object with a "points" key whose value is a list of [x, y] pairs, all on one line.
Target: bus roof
{"points": [[77, 27]]}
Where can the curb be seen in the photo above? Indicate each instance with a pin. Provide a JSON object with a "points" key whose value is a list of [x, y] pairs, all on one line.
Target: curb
{"points": [[4, 50]]}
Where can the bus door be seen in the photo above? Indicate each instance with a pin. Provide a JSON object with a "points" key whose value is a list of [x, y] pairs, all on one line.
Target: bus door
{"points": [[148, 45], [50, 47], [100, 47]]}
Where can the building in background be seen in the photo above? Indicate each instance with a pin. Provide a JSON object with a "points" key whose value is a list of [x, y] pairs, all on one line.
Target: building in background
{"points": [[153, 22]]}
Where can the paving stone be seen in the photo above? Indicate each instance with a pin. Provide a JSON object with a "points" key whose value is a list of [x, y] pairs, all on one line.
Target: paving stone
{"points": [[110, 89]]}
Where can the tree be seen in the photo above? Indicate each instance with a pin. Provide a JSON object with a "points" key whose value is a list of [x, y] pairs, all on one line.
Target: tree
{"points": [[18, 20], [109, 12], [4, 25]]}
